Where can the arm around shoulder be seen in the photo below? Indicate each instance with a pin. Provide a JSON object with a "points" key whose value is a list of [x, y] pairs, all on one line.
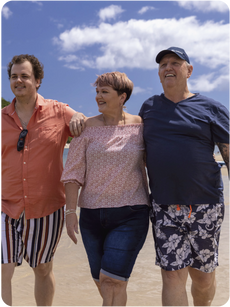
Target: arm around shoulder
{"points": [[77, 123], [94, 121]]}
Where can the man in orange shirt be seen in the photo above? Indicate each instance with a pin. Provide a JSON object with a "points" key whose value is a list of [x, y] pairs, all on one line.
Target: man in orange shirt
{"points": [[34, 133]]}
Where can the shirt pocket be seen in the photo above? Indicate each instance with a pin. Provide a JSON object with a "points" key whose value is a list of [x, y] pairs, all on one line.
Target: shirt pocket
{"points": [[47, 135]]}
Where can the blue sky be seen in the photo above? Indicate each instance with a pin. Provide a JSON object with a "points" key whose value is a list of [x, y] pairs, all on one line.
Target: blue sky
{"points": [[78, 40]]}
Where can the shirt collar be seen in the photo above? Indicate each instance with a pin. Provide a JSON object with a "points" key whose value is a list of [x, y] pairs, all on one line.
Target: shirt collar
{"points": [[40, 101], [10, 109]]}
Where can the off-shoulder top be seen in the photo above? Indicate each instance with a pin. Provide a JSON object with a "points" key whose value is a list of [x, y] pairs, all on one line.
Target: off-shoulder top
{"points": [[108, 163]]}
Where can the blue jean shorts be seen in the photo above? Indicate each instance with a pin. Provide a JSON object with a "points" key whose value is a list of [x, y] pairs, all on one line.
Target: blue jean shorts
{"points": [[187, 236], [113, 238]]}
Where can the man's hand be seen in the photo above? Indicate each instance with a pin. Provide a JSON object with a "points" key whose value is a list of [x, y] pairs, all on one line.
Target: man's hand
{"points": [[72, 226], [77, 124]]}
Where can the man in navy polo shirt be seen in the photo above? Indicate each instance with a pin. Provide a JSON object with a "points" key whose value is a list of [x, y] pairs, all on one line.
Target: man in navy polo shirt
{"points": [[180, 132]]}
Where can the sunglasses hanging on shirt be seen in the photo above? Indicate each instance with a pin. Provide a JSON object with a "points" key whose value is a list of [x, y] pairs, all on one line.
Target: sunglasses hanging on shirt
{"points": [[21, 140]]}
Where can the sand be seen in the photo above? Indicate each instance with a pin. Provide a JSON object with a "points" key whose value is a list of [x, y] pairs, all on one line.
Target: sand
{"points": [[75, 287]]}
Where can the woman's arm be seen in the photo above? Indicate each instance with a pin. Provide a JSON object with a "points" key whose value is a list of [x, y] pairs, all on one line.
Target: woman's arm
{"points": [[71, 190]]}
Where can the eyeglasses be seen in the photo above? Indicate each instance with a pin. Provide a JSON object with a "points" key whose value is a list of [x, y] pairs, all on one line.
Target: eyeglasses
{"points": [[21, 140]]}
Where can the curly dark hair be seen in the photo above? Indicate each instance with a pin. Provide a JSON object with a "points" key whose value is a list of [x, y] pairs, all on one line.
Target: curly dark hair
{"points": [[36, 65], [118, 81]]}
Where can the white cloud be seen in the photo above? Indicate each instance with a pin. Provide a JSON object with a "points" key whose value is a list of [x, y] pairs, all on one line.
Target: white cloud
{"points": [[110, 12], [36, 2], [144, 9], [74, 67], [57, 22], [73, 62], [137, 90], [135, 44], [205, 6], [68, 58], [209, 82], [6, 12]]}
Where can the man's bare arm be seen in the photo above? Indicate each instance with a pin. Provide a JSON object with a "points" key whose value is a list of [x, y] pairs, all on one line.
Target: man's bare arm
{"points": [[224, 150]]}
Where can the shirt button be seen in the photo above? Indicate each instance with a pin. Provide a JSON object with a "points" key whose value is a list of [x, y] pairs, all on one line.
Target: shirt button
{"points": [[25, 147], [24, 162], [24, 179], [25, 196]]}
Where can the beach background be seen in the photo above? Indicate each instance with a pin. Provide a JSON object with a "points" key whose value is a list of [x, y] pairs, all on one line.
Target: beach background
{"points": [[75, 287]]}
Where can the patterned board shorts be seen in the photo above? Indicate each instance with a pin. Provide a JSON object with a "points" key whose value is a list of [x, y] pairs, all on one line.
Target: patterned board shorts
{"points": [[187, 236], [35, 240]]}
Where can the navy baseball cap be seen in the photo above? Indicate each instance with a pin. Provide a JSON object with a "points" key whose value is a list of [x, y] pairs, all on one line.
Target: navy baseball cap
{"points": [[178, 51]]}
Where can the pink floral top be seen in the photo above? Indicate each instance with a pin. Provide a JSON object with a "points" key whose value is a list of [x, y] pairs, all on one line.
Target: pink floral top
{"points": [[107, 162]]}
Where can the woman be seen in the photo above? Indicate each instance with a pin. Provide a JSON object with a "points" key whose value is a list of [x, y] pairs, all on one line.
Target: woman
{"points": [[107, 162]]}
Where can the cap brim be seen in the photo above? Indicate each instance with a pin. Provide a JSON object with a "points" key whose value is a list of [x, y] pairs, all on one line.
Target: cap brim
{"points": [[162, 54]]}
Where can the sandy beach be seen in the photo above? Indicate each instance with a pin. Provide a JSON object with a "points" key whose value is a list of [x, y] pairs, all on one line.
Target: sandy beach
{"points": [[75, 287]]}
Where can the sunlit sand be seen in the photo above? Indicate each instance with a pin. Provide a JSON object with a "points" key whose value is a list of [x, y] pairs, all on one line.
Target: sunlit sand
{"points": [[75, 287]]}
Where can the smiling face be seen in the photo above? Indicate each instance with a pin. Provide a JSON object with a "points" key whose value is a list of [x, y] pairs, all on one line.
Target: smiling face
{"points": [[174, 72], [22, 80], [108, 100]]}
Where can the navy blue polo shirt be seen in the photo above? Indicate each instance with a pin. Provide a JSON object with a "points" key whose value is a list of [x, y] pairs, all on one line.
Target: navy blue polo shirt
{"points": [[180, 139]]}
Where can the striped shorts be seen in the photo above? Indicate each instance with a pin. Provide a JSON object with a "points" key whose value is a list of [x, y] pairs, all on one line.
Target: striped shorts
{"points": [[35, 240]]}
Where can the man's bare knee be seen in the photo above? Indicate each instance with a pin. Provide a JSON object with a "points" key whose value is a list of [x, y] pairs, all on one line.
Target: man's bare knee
{"points": [[173, 278], [43, 269], [202, 281]]}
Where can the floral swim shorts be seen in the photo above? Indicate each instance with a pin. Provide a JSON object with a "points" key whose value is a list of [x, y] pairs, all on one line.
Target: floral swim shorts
{"points": [[187, 236]]}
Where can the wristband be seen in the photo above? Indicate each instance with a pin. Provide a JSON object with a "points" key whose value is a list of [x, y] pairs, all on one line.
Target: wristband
{"points": [[69, 213]]}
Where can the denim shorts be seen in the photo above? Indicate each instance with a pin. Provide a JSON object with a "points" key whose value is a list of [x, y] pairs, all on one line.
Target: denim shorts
{"points": [[187, 236], [113, 238]]}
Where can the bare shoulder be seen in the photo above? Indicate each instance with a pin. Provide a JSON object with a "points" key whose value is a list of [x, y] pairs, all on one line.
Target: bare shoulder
{"points": [[133, 119], [94, 121]]}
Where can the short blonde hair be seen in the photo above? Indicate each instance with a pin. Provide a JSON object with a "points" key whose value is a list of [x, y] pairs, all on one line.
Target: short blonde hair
{"points": [[118, 81]]}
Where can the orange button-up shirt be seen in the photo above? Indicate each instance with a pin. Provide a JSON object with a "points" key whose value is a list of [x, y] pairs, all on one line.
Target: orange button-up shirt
{"points": [[31, 177]]}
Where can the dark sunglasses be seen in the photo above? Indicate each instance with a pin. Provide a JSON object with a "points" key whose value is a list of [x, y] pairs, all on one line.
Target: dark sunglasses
{"points": [[21, 140]]}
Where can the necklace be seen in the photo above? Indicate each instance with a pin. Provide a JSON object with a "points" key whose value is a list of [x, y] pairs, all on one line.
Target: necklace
{"points": [[24, 124], [123, 118]]}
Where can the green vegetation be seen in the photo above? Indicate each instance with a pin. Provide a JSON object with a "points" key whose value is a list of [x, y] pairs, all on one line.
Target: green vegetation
{"points": [[69, 139], [5, 103]]}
